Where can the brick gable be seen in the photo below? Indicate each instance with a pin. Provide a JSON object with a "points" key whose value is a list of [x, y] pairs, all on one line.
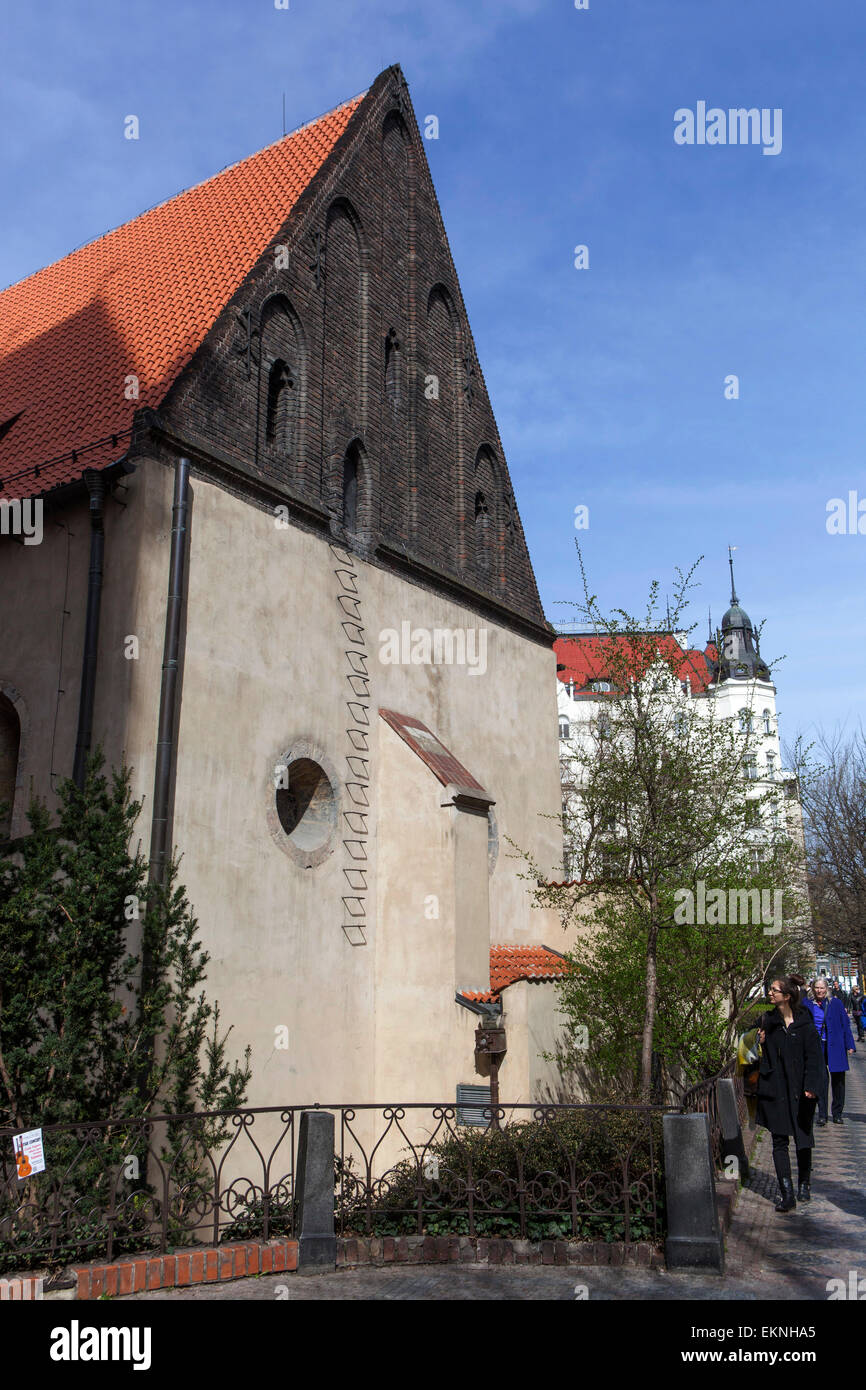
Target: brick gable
{"points": [[359, 285]]}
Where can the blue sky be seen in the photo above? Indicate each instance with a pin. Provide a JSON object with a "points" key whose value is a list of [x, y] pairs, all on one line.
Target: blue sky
{"points": [[556, 129]]}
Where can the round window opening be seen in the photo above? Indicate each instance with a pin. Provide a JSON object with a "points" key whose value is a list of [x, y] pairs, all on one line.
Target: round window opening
{"points": [[307, 806]]}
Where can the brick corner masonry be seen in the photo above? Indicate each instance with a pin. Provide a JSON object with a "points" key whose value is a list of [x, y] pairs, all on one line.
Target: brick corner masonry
{"points": [[143, 1273]]}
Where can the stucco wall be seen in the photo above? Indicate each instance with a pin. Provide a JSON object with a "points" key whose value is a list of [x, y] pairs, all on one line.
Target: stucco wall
{"points": [[263, 672]]}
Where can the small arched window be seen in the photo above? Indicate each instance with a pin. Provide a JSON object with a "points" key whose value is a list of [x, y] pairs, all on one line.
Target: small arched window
{"points": [[351, 470], [10, 747], [745, 722], [564, 727], [393, 370], [767, 728], [482, 532], [282, 406], [771, 766]]}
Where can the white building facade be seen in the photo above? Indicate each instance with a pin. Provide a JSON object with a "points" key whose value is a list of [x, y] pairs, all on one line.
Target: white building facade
{"points": [[728, 677]]}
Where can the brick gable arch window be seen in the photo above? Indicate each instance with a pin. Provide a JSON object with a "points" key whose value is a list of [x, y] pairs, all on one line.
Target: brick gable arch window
{"points": [[354, 507], [281, 410], [482, 534], [282, 383], [486, 547], [393, 370]]}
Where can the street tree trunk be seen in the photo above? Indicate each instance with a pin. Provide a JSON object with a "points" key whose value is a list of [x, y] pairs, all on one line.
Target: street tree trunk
{"points": [[649, 1015]]}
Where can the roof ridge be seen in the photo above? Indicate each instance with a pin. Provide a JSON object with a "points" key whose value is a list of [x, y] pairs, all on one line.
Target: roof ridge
{"points": [[182, 192]]}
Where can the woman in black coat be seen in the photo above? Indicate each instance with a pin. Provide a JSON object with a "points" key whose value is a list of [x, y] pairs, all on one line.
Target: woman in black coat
{"points": [[789, 1078]]}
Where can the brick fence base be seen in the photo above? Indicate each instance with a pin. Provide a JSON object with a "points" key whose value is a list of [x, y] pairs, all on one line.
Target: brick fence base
{"points": [[185, 1267], [478, 1250]]}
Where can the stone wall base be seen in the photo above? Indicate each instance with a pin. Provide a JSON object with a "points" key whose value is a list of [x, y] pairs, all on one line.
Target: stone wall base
{"points": [[353, 1251]]}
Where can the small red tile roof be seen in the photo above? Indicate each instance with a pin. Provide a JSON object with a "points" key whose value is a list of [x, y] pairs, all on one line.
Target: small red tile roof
{"points": [[508, 964], [137, 301], [432, 751], [585, 658]]}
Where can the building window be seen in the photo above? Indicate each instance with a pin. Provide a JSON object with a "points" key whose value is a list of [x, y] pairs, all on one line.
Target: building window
{"points": [[602, 726], [306, 805], [482, 533], [282, 407], [393, 382], [771, 766], [767, 729], [600, 687], [350, 489], [745, 722], [564, 727], [750, 767]]}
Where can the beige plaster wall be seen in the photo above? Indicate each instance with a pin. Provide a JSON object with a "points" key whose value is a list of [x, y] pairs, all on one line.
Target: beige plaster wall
{"points": [[41, 648], [263, 671]]}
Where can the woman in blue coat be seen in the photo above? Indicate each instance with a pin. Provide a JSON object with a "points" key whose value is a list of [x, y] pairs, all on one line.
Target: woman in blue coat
{"points": [[837, 1041]]}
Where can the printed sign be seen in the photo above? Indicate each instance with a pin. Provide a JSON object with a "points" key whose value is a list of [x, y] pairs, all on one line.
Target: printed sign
{"points": [[29, 1154]]}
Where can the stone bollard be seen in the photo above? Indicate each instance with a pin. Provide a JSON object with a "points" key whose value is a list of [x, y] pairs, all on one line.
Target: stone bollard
{"points": [[317, 1242], [694, 1239], [732, 1145]]}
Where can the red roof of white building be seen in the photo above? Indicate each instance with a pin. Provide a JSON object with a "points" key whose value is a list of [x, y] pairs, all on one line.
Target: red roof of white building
{"points": [[585, 658]]}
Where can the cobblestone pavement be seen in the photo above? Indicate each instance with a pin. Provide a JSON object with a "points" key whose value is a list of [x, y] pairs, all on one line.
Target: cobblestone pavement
{"points": [[768, 1255], [798, 1252]]}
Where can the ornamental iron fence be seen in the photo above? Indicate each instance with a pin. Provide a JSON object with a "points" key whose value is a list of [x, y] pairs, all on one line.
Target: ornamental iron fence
{"points": [[540, 1171]]}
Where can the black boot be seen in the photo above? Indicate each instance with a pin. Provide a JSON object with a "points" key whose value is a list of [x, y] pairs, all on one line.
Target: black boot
{"points": [[804, 1191], [787, 1201]]}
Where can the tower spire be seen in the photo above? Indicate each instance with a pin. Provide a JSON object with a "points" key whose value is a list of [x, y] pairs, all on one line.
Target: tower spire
{"points": [[734, 599]]}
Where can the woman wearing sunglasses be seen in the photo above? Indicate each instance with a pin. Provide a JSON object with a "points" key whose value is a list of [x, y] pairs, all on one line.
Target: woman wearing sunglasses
{"points": [[789, 1079]]}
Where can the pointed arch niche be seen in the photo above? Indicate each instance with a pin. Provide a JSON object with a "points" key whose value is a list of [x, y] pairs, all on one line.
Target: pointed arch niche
{"points": [[283, 389], [440, 475], [345, 317], [483, 511]]}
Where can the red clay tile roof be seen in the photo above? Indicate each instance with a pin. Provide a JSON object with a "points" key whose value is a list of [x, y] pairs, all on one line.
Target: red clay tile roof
{"points": [[508, 964], [138, 301], [584, 659], [444, 766]]}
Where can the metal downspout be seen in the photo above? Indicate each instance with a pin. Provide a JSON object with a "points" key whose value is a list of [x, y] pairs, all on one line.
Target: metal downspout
{"points": [[165, 750]]}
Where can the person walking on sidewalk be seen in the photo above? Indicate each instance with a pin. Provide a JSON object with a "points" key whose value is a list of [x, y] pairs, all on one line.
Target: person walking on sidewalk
{"points": [[789, 1076], [837, 1042], [857, 1001]]}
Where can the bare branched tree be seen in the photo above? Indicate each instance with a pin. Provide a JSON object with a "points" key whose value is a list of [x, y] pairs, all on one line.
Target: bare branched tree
{"points": [[833, 792]]}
